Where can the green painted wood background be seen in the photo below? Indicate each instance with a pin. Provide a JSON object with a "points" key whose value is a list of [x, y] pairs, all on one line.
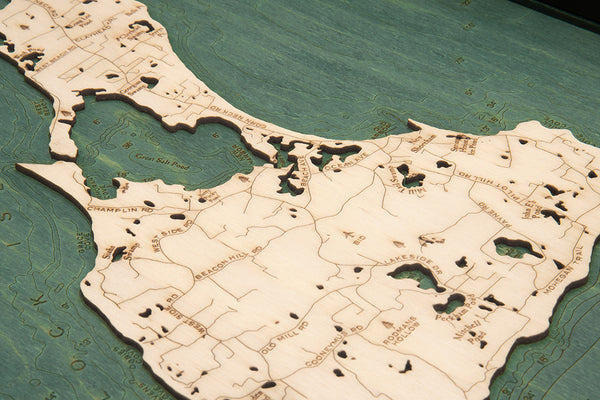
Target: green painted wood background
{"points": [[340, 69]]}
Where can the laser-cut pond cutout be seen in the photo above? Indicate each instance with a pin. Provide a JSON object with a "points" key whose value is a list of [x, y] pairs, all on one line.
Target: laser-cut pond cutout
{"points": [[462, 262], [453, 302], [419, 273], [118, 253], [554, 191], [325, 154], [551, 213], [410, 179], [491, 299], [514, 248]]}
